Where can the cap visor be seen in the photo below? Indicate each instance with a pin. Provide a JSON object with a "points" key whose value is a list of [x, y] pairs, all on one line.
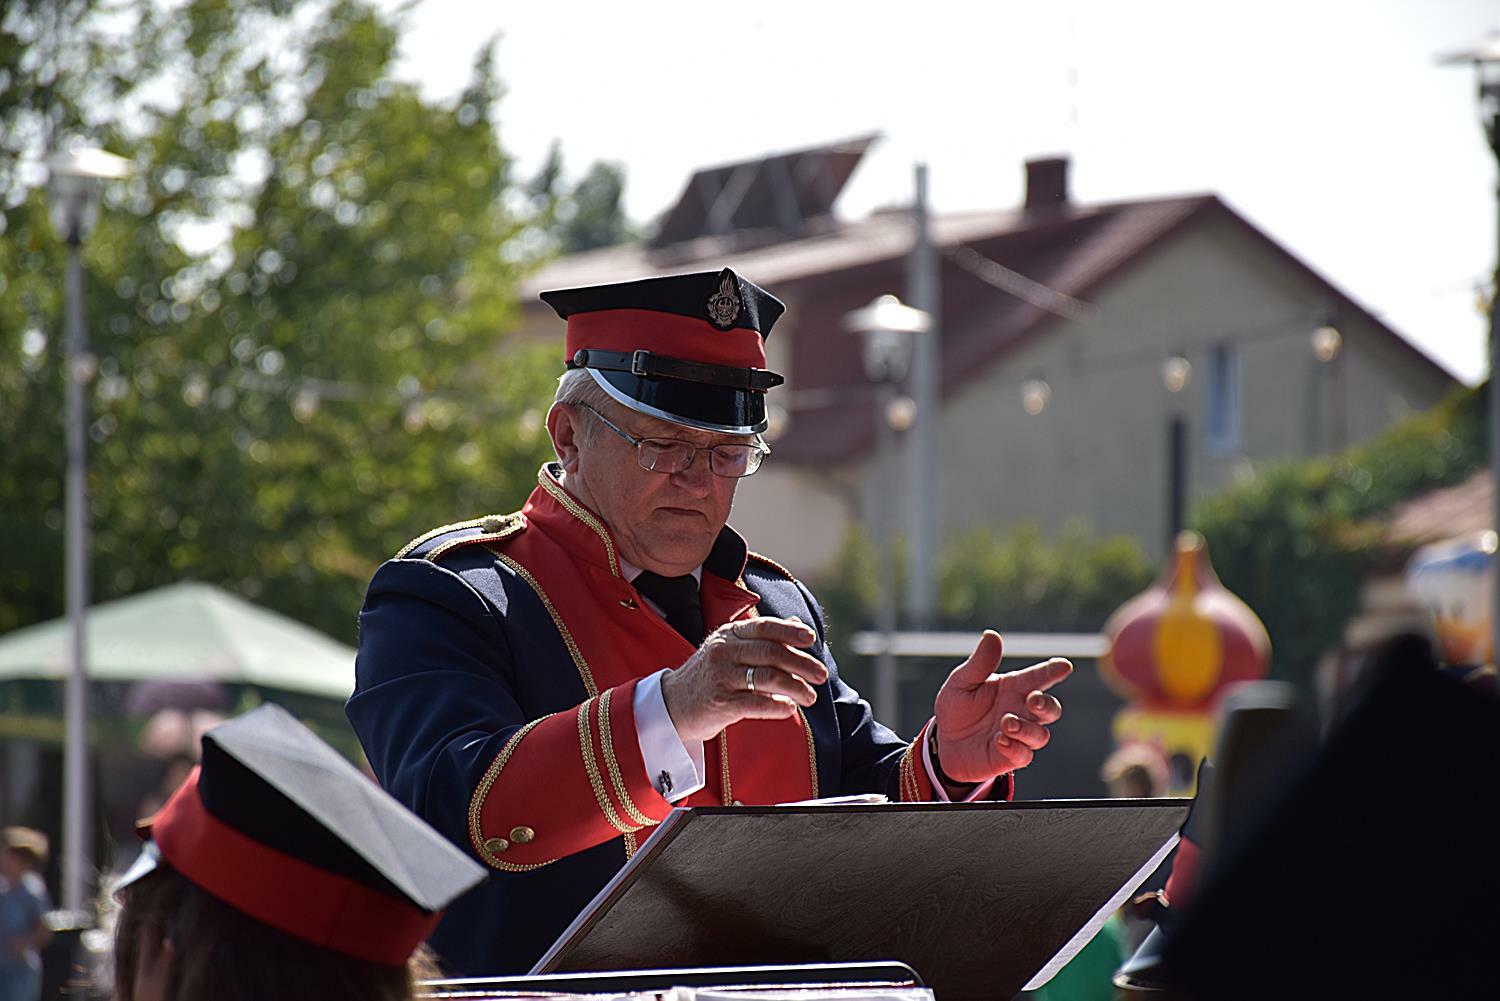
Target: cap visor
{"points": [[145, 863], [691, 404]]}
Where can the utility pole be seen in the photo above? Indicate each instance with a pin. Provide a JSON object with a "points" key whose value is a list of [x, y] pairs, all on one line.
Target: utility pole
{"points": [[924, 293]]}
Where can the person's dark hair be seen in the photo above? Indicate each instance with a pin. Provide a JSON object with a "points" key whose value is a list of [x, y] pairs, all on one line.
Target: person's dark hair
{"points": [[224, 954]]}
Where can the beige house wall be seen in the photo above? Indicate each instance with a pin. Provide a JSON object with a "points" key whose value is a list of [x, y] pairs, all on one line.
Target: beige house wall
{"points": [[796, 516], [1098, 452]]}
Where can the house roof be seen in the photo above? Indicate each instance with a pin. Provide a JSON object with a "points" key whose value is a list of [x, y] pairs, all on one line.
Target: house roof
{"points": [[765, 258], [1064, 252], [1463, 509]]}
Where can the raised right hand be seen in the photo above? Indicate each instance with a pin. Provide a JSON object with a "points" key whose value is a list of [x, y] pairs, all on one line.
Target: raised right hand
{"points": [[713, 689]]}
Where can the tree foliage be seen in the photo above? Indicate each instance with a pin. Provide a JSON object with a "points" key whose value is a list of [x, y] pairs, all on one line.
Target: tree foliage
{"points": [[1299, 541], [585, 215], [297, 303]]}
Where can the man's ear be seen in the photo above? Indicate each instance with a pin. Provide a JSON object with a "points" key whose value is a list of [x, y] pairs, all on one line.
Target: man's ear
{"points": [[564, 429]]}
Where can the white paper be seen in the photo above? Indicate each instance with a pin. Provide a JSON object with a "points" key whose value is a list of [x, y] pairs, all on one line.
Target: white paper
{"points": [[860, 992], [1086, 934]]}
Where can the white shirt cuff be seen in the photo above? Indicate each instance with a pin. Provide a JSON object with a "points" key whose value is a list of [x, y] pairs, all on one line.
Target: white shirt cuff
{"points": [[981, 791], [674, 767]]}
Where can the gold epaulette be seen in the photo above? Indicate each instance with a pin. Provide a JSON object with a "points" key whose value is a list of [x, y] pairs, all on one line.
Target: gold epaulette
{"points": [[773, 565], [492, 528]]}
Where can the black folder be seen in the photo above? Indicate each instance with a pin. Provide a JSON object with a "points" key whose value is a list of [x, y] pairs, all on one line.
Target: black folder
{"points": [[981, 899]]}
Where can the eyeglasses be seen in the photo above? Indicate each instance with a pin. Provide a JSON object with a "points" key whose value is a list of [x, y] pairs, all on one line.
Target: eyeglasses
{"points": [[669, 455]]}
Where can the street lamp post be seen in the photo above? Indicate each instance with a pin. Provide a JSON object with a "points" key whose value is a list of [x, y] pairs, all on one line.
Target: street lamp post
{"points": [[924, 288], [886, 327], [1327, 348], [76, 175], [1484, 56], [1176, 371]]}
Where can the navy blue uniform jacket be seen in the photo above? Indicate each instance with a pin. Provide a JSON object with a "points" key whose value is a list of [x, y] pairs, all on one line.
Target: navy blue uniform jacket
{"points": [[472, 697]]}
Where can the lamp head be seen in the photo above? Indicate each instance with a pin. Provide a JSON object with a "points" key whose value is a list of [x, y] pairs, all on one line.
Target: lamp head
{"points": [[886, 326], [75, 176], [1176, 371]]}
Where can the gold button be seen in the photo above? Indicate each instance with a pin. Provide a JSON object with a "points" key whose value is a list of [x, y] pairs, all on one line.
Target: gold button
{"points": [[496, 845], [522, 835], [492, 524]]}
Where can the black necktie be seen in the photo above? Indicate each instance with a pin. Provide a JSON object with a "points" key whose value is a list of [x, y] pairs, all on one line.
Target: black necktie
{"points": [[678, 599]]}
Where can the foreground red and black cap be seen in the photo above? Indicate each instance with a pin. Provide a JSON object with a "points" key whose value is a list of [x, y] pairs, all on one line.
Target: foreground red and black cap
{"points": [[686, 348], [280, 826]]}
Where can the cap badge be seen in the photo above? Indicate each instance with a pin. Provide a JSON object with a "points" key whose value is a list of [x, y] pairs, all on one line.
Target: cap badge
{"points": [[724, 305]]}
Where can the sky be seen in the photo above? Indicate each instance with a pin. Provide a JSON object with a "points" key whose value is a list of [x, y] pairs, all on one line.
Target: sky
{"points": [[1328, 123]]}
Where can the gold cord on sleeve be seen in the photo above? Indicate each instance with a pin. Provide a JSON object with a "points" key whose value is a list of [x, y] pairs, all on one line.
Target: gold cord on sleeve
{"points": [[591, 765], [606, 741], [476, 806]]}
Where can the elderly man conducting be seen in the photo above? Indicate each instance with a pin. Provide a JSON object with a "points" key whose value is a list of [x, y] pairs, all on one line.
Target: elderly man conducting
{"points": [[544, 686]]}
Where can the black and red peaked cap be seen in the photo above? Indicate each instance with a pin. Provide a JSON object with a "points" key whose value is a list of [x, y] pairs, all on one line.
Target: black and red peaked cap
{"points": [[278, 825], [686, 348]]}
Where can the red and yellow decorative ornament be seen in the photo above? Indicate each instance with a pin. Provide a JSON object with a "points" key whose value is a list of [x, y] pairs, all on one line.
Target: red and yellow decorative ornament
{"points": [[1175, 649]]}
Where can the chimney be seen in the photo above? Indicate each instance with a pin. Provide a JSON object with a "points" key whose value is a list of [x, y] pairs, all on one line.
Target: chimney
{"points": [[1046, 182]]}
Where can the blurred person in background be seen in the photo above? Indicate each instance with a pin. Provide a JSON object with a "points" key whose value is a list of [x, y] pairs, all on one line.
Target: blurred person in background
{"points": [[278, 870], [1135, 771], [23, 907]]}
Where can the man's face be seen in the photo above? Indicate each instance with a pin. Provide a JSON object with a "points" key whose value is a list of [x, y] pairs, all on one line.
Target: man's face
{"points": [[662, 522]]}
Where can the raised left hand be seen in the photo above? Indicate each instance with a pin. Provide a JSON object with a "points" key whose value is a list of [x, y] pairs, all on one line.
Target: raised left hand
{"points": [[989, 724]]}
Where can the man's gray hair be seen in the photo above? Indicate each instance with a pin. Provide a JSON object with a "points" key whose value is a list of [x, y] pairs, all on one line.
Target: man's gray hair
{"points": [[577, 386]]}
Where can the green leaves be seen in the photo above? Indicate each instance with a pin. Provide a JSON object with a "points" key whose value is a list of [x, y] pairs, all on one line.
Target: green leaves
{"points": [[1299, 541], [299, 306]]}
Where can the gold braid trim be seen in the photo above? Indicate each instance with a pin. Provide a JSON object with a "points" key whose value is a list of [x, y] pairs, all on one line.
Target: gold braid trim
{"points": [[583, 514], [812, 752], [414, 543], [630, 846], [562, 628], [476, 805], [606, 741], [910, 789], [726, 793], [759, 558], [591, 765], [510, 525]]}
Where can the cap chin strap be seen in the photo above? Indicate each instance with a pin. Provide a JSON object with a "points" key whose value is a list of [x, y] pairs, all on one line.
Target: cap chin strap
{"points": [[651, 365], [631, 403]]}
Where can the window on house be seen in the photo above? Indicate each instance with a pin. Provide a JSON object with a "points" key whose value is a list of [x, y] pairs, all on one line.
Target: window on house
{"points": [[1223, 400]]}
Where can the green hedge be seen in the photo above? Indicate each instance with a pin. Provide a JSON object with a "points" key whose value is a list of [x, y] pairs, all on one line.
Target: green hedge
{"points": [[1299, 540], [1295, 543], [1016, 580]]}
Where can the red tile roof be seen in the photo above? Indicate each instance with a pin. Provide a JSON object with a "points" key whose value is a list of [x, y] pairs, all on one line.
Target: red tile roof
{"points": [[1070, 249]]}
